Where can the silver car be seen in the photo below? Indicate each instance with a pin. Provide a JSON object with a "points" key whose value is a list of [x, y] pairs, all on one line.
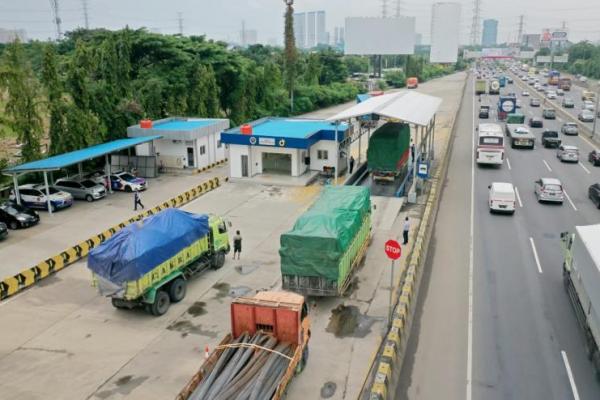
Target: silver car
{"points": [[569, 128], [549, 189], [567, 153], [84, 190]]}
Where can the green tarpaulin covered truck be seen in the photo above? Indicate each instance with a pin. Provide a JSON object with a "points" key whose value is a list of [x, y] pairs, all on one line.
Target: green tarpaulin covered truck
{"points": [[327, 242], [388, 152]]}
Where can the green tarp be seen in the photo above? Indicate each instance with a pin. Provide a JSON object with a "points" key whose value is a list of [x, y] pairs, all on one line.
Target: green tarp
{"points": [[321, 236], [389, 147]]}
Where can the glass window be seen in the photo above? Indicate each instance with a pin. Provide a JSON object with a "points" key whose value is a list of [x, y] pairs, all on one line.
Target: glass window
{"points": [[88, 184], [322, 154], [127, 177], [222, 227], [219, 144], [555, 188], [202, 150], [491, 140]]}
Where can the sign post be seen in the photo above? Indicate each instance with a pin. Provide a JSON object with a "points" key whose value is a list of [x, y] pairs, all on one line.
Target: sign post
{"points": [[393, 251]]}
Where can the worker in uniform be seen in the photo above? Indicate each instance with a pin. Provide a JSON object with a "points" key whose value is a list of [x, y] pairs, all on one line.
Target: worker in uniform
{"points": [[406, 230], [237, 244], [137, 201]]}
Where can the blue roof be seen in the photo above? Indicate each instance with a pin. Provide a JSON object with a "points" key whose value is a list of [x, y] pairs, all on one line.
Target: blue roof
{"points": [[290, 128], [362, 97], [77, 156], [179, 125]]}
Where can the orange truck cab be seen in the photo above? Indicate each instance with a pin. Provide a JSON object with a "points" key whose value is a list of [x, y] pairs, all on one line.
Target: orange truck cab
{"points": [[412, 82]]}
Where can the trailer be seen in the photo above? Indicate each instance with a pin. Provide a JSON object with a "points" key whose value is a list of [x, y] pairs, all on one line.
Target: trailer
{"points": [[582, 283], [480, 86], [320, 253], [388, 152], [494, 87], [267, 347], [148, 263]]}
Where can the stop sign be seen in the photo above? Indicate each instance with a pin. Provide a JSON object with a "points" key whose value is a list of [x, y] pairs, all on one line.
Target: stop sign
{"points": [[393, 249]]}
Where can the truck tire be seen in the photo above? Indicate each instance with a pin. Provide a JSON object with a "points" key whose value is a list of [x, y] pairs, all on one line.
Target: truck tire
{"points": [[218, 260], [161, 303], [177, 290], [117, 304]]}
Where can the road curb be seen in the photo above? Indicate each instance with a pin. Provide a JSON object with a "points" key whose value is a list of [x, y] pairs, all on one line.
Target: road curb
{"points": [[30, 276], [388, 364]]}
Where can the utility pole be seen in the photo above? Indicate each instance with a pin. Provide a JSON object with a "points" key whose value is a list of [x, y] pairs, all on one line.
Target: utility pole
{"points": [[243, 36], [520, 35], [84, 4], [476, 23], [384, 8], [57, 21], [180, 20], [398, 8]]}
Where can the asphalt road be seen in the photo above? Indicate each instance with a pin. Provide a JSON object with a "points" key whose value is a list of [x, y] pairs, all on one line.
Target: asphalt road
{"points": [[524, 338]]}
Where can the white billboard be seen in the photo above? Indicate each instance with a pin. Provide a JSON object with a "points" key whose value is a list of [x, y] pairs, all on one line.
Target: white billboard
{"points": [[543, 59], [526, 55], [380, 36], [445, 30]]}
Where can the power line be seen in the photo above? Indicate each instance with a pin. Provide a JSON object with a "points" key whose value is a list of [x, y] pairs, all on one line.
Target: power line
{"points": [[57, 21], [384, 6], [476, 23], [398, 8], [520, 34], [86, 20], [180, 21]]}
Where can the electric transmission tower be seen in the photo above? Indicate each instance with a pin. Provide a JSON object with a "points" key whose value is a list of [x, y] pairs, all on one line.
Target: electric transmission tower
{"points": [[476, 24], [398, 8], [384, 8], [180, 21], [521, 25], [57, 21], [86, 19]]}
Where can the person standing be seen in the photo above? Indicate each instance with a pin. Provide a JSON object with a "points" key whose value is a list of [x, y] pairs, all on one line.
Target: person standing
{"points": [[137, 201], [406, 230], [351, 164], [237, 244]]}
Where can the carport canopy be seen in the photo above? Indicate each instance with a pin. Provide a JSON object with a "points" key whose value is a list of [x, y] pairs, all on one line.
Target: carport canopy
{"points": [[65, 160]]}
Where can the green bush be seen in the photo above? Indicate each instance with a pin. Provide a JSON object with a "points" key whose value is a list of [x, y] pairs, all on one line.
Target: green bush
{"points": [[395, 79]]}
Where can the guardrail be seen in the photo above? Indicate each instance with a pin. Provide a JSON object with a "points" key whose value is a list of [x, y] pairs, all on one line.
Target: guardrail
{"points": [[389, 362], [30, 276]]}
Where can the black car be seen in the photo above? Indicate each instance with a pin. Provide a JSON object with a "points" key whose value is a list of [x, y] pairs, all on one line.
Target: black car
{"points": [[550, 139], [594, 194], [594, 158], [484, 112], [3, 230], [536, 122], [17, 216]]}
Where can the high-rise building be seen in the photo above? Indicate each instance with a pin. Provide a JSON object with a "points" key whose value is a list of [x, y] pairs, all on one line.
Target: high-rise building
{"points": [[300, 30], [338, 36], [531, 40], [309, 29], [320, 28], [490, 33], [418, 39]]}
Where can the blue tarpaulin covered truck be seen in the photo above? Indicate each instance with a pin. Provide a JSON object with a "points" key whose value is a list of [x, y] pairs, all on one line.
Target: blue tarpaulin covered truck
{"points": [[147, 263]]}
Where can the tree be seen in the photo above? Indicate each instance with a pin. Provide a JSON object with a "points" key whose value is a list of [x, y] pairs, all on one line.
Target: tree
{"points": [[333, 68], [291, 54], [313, 70], [57, 130], [23, 114]]}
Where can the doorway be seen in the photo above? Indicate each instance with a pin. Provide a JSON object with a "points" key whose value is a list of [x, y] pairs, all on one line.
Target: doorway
{"points": [[277, 163], [190, 157], [244, 166]]}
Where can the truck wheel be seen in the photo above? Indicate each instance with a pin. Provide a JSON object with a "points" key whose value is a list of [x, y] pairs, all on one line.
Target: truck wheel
{"points": [[303, 360], [161, 303], [117, 304], [218, 260], [177, 290]]}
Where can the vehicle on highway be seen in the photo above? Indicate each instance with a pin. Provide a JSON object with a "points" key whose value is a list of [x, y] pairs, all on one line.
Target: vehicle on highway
{"points": [[549, 113], [549, 189], [551, 94], [127, 182], [582, 79], [484, 112], [502, 197], [588, 105], [586, 116], [536, 122], [3, 231], [509, 80], [534, 102], [412, 82], [567, 102], [525, 93], [518, 103], [588, 95], [564, 83], [85, 190], [567, 153], [34, 196], [582, 283], [17, 216], [560, 92], [388, 152], [550, 139], [148, 264], [490, 144], [594, 158], [594, 194], [521, 137], [569, 128], [538, 87]]}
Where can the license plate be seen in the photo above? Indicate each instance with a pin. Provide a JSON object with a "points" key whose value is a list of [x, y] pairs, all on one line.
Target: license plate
{"points": [[502, 206]]}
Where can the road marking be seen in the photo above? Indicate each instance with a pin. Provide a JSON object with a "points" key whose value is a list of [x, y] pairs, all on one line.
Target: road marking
{"points": [[570, 375], [569, 198], [547, 166], [518, 197], [508, 163], [535, 255], [471, 235], [584, 168]]}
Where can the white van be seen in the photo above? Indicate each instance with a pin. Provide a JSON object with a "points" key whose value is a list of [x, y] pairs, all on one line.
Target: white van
{"points": [[502, 197]]}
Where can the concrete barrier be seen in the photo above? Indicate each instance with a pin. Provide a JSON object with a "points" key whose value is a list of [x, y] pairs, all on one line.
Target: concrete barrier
{"points": [[385, 371], [210, 166], [30, 276]]}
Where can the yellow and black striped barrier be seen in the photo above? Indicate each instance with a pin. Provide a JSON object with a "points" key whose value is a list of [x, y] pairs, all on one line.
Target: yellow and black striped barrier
{"points": [[28, 277], [210, 166]]}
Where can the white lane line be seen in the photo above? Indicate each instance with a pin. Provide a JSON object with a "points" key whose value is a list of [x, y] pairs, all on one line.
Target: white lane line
{"points": [[584, 168], [535, 255], [570, 375], [569, 198], [518, 197], [508, 163], [547, 166], [471, 235]]}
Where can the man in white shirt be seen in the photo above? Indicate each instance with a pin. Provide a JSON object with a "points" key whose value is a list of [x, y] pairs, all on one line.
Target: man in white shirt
{"points": [[405, 230]]}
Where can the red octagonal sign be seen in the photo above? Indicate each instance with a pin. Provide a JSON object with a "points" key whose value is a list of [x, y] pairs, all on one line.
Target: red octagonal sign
{"points": [[393, 249]]}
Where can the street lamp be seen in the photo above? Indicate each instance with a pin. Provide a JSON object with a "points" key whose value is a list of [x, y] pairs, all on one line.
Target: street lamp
{"points": [[595, 110]]}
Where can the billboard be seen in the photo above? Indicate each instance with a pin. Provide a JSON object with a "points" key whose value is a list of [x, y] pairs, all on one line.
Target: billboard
{"points": [[526, 55], [470, 54], [445, 30], [500, 52], [543, 59], [380, 36]]}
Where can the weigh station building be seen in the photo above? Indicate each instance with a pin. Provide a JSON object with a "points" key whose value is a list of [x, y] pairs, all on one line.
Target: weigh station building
{"points": [[185, 142], [286, 146]]}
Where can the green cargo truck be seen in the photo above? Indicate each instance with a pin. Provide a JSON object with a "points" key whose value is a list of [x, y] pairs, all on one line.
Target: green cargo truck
{"points": [[327, 242], [148, 263], [388, 152], [480, 86]]}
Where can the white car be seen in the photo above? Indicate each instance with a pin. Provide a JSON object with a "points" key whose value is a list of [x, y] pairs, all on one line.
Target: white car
{"points": [[582, 79], [560, 92], [34, 196], [525, 93], [567, 153], [588, 105], [127, 182], [549, 189], [551, 95], [502, 197]]}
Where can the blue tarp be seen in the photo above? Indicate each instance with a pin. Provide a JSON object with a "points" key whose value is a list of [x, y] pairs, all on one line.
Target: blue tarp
{"points": [[142, 246]]}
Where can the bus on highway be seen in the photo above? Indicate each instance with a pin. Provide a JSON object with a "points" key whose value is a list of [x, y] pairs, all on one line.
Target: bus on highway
{"points": [[490, 144]]}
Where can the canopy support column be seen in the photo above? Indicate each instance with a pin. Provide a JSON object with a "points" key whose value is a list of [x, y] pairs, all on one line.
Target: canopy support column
{"points": [[16, 184], [337, 154], [107, 171], [49, 203], [80, 170]]}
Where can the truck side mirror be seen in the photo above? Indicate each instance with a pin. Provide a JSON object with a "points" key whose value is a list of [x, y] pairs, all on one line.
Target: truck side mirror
{"points": [[476, 129], [489, 186], [229, 224]]}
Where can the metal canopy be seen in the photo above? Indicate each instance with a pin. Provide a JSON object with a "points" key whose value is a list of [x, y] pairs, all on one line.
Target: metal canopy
{"points": [[408, 106]]}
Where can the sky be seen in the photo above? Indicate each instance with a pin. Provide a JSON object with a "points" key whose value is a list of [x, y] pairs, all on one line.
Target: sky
{"points": [[222, 19]]}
